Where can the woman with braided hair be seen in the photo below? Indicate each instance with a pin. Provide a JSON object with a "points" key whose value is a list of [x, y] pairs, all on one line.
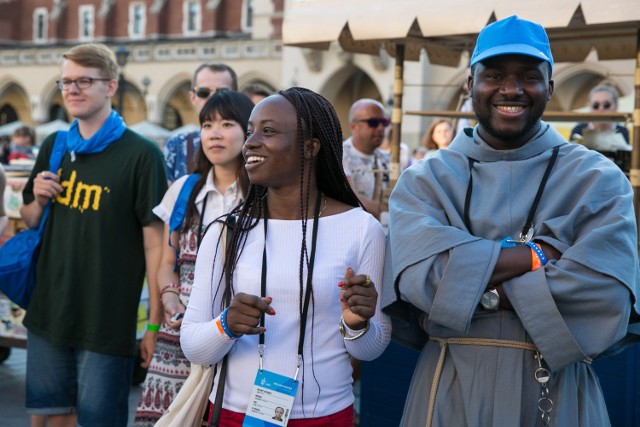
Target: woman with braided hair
{"points": [[300, 272]]}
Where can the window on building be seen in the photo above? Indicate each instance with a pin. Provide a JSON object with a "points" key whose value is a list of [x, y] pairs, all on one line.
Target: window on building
{"points": [[247, 15], [40, 24], [86, 18], [137, 19], [191, 17]]}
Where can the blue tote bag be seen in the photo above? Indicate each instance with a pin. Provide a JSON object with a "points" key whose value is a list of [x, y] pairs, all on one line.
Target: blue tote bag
{"points": [[19, 254]]}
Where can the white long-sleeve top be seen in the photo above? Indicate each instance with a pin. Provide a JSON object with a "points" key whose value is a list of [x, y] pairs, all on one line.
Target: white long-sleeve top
{"points": [[351, 239]]}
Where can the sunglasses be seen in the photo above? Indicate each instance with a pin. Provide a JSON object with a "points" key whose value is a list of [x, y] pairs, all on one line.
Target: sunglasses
{"points": [[596, 105], [374, 122], [204, 92]]}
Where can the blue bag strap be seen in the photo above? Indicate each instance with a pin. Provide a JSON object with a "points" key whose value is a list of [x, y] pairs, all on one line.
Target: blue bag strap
{"points": [[57, 153], [180, 208]]}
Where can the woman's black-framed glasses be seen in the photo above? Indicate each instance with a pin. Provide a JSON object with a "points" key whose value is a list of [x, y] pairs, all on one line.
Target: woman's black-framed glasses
{"points": [[81, 83]]}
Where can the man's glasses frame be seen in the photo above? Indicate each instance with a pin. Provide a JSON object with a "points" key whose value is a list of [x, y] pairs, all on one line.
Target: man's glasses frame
{"points": [[80, 82], [374, 122]]}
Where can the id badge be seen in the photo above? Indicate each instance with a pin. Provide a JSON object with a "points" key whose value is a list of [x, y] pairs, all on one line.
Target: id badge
{"points": [[271, 400]]}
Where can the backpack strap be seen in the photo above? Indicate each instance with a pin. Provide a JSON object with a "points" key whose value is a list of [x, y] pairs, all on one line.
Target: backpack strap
{"points": [[57, 153], [180, 207]]}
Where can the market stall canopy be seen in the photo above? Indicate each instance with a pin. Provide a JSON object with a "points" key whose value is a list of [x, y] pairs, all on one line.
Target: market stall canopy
{"points": [[152, 131], [445, 29], [7, 130], [47, 129]]}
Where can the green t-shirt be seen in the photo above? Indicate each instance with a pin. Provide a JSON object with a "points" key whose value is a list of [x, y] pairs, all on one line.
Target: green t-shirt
{"points": [[91, 265]]}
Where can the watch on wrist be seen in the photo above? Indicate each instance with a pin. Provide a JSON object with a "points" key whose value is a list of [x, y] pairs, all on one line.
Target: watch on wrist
{"points": [[490, 300]]}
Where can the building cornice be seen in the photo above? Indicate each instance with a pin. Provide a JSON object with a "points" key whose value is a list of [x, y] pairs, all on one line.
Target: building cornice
{"points": [[203, 50]]}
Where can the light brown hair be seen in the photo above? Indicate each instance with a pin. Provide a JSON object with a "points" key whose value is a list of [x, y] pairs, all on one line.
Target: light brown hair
{"points": [[95, 55]]}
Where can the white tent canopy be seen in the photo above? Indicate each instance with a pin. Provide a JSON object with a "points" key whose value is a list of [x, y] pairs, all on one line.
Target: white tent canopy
{"points": [[9, 128], [447, 28], [47, 129], [152, 131]]}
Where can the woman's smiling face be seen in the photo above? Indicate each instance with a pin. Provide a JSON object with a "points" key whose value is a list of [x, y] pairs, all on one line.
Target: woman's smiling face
{"points": [[272, 150]]}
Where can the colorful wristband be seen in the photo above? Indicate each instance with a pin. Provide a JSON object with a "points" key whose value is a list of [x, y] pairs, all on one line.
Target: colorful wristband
{"points": [[225, 327], [538, 259], [153, 327]]}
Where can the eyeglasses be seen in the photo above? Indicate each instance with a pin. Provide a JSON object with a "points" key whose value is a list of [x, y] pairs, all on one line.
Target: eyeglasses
{"points": [[596, 105], [204, 92], [81, 83], [374, 122]]}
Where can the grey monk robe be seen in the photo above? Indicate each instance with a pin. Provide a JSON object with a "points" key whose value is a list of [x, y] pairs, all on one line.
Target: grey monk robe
{"points": [[571, 310]]}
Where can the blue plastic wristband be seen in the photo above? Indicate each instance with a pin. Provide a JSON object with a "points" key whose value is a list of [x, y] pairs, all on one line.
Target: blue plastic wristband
{"points": [[538, 251], [223, 322]]}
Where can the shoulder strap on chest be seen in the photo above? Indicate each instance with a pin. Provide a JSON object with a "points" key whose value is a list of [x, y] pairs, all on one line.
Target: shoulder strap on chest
{"points": [[180, 208], [58, 150]]}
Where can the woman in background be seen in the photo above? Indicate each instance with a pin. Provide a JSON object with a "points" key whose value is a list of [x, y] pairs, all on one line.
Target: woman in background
{"points": [[437, 137], [221, 186]]}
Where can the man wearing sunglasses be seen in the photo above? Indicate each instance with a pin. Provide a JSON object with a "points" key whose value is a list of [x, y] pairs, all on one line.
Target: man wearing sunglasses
{"points": [[610, 139], [604, 99], [180, 151], [365, 165]]}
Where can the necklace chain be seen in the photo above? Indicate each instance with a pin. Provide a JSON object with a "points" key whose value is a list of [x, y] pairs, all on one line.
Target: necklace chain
{"points": [[324, 205]]}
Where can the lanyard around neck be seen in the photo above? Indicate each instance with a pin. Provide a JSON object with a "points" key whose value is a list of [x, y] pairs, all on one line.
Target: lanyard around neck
{"points": [[307, 295], [529, 222]]}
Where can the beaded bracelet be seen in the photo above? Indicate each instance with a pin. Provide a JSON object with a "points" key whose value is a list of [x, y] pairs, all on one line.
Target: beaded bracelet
{"points": [[175, 285], [225, 327], [538, 259], [169, 290], [153, 327]]}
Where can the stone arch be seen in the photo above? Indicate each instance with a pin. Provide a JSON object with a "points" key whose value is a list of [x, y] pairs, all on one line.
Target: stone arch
{"points": [[257, 78], [51, 104], [134, 103], [14, 102], [452, 94], [344, 87], [573, 83], [174, 103], [262, 85]]}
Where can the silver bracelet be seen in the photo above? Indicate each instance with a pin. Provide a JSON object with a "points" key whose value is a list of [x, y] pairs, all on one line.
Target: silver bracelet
{"points": [[343, 331]]}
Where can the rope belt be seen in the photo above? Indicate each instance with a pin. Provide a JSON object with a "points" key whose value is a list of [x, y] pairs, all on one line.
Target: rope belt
{"points": [[483, 342]]}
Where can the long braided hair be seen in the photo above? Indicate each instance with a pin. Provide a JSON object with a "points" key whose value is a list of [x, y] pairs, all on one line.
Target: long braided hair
{"points": [[316, 118]]}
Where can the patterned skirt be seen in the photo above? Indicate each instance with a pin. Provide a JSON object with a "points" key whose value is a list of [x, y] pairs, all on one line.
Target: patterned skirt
{"points": [[169, 368]]}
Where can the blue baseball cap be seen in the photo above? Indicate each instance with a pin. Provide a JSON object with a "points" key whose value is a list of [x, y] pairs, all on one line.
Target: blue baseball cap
{"points": [[512, 35]]}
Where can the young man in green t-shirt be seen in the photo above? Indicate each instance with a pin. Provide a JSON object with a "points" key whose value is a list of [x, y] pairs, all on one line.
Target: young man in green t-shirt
{"points": [[100, 237]]}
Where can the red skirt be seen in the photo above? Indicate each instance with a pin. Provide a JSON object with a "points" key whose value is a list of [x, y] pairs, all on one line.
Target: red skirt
{"points": [[343, 418]]}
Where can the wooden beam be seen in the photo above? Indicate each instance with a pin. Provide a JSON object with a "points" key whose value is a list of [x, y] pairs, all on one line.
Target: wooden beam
{"points": [[550, 116]]}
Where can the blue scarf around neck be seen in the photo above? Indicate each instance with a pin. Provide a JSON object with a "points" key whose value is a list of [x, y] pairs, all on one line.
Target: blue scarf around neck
{"points": [[111, 131]]}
